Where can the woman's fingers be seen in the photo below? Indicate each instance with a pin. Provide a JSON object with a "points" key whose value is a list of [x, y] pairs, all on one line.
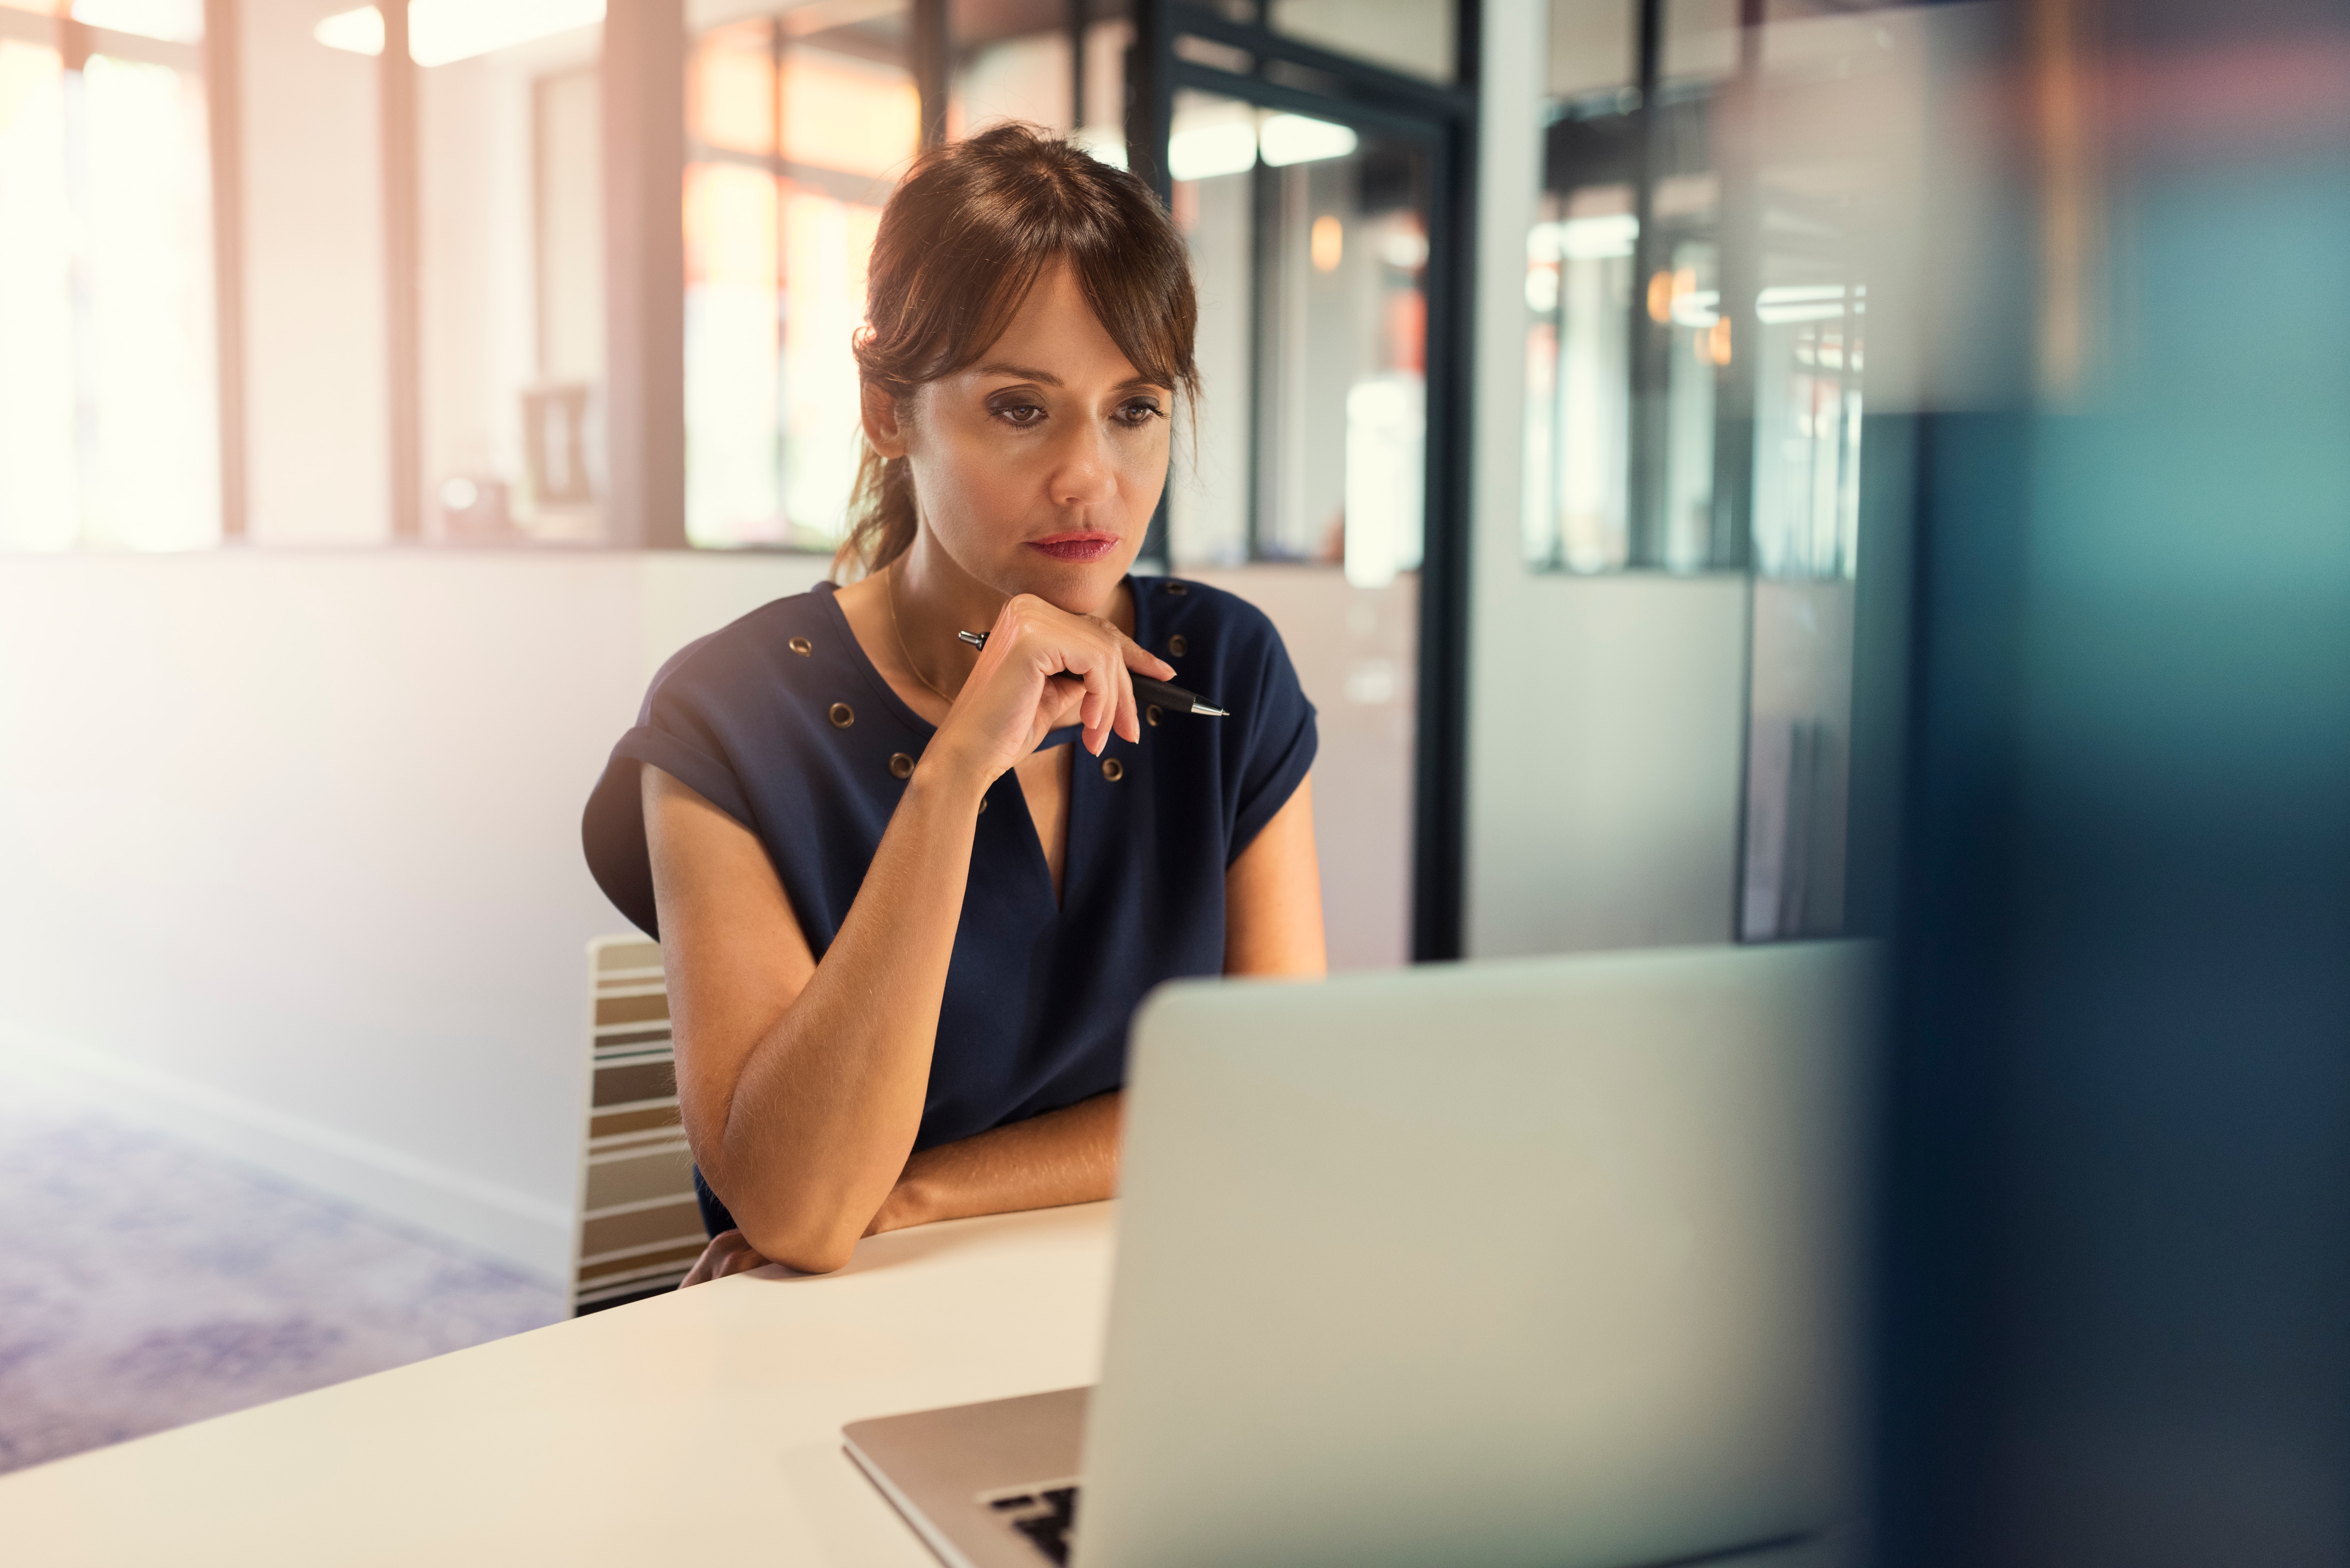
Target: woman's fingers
{"points": [[729, 1253], [1135, 658], [1065, 666], [1143, 661], [1085, 648], [742, 1261]]}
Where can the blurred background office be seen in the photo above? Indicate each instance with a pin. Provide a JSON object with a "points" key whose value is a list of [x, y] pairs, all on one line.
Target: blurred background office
{"points": [[1728, 470]]}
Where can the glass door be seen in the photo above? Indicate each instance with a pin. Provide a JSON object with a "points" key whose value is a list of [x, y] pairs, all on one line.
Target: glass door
{"points": [[1319, 480], [1304, 487]]}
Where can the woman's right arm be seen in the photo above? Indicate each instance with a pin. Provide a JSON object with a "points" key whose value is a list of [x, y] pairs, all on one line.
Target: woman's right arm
{"points": [[802, 1082]]}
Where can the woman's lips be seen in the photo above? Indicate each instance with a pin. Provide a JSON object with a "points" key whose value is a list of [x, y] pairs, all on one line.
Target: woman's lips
{"points": [[1080, 547]]}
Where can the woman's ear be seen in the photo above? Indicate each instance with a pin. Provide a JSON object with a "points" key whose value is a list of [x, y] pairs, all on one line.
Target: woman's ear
{"points": [[883, 430]]}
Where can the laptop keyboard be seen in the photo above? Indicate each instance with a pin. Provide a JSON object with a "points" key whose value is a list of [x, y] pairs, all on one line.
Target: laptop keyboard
{"points": [[1045, 1514]]}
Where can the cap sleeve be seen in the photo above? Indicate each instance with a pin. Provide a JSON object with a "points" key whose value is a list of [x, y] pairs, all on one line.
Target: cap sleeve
{"points": [[1282, 739], [677, 732]]}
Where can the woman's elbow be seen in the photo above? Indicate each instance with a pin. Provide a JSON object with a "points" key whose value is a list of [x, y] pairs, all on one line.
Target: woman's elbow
{"points": [[813, 1244]]}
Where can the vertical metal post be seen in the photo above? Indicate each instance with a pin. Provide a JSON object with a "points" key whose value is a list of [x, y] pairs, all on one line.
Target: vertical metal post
{"points": [[396, 89], [1738, 275], [779, 149], [1150, 94], [1150, 116], [223, 88], [644, 269], [1441, 744], [933, 53], [1646, 344], [1264, 454], [1737, 130]]}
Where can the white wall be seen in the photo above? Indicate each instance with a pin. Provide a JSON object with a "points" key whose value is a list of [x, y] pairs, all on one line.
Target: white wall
{"points": [[1604, 713], [290, 852]]}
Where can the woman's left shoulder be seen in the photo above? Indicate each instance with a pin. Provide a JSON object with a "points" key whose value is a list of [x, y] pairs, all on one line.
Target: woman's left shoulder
{"points": [[1210, 621]]}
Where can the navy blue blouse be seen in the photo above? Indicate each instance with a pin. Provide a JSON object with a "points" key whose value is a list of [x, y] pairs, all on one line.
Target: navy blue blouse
{"points": [[781, 722]]}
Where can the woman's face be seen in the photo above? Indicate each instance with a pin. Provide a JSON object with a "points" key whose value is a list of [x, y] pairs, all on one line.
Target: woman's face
{"points": [[1038, 467]]}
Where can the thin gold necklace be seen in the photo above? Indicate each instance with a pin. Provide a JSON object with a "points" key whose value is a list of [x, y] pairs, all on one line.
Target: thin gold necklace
{"points": [[889, 592]]}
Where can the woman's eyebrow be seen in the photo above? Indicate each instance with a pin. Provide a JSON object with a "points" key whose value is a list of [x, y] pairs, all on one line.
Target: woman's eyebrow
{"points": [[1023, 372], [1046, 377]]}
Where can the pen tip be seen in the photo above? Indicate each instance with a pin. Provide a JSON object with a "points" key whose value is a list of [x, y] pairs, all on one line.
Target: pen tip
{"points": [[1205, 712]]}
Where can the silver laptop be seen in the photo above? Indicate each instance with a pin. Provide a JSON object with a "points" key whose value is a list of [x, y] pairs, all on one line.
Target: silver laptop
{"points": [[1538, 1263]]}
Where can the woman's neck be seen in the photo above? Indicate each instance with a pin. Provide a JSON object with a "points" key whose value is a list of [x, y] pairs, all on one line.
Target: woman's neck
{"points": [[906, 615], [929, 599], [935, 598]]}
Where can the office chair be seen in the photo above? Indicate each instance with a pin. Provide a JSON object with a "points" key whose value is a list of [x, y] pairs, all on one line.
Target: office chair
{"points": [[640, 1229]]}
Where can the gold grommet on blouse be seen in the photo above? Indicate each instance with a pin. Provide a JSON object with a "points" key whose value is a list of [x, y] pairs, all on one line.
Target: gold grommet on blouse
{"points": [[1112, 769], [841, 714], [1177, 646], [901, 766], [1178, 589], [1150, 714], [801, 646]]}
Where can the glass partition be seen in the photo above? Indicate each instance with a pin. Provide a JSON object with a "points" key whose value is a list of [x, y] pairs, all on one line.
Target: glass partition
{"points": [[1309, 240], [1697, 292]]}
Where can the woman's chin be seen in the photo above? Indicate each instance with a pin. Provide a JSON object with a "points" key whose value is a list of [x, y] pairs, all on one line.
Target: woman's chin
{"points": [[1079, 586]]}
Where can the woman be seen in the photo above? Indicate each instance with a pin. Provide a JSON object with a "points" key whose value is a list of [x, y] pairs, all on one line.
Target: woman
{"points": [[905, 922]]}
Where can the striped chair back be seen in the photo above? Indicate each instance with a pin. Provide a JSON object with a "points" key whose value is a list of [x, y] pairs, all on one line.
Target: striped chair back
{"points": [[640, 1229]]}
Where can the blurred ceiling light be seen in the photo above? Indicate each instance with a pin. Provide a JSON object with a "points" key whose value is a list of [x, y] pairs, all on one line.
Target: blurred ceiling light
{"points": [[443, 32], [1204, 152], [360, 31], [1695, 307], [1807, 302], [1583, 239], [1287, 139], [1404, 248], [1717, 341], [173, 21], [1660, 297], [1328, 242], [1541, 289]]}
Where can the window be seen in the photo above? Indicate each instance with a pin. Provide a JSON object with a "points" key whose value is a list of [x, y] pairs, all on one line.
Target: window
{"points": [[108, 434], [1694, 349], [797, 133], [1309, 245]]}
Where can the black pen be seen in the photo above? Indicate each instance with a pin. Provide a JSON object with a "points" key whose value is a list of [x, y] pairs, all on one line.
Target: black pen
{"points": [[1149, 693]]}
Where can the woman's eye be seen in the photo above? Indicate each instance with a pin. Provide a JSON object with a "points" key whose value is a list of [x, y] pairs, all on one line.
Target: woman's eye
{"points": [[1142, 410], [1019, 413]]}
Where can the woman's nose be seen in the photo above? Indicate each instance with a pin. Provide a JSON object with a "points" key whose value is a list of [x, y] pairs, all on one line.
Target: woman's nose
{"points": [[1086, 476]]}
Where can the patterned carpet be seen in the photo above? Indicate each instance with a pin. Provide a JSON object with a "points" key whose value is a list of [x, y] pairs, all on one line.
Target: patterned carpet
{"points": [[145, 1284]]}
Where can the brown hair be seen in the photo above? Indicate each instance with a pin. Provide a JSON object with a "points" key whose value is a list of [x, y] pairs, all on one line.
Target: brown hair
{"points": [[961, 244]]}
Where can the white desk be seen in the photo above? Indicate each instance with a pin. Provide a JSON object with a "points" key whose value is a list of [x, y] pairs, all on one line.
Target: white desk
{"points": [[700, 1428]]}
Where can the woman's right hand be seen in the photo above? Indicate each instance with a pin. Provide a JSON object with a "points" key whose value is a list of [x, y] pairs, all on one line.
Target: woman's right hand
{"points": [[1042, 667]]}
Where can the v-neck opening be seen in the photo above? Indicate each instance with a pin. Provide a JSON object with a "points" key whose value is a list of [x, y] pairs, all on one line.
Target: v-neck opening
{"points": [[1057, 896]]}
